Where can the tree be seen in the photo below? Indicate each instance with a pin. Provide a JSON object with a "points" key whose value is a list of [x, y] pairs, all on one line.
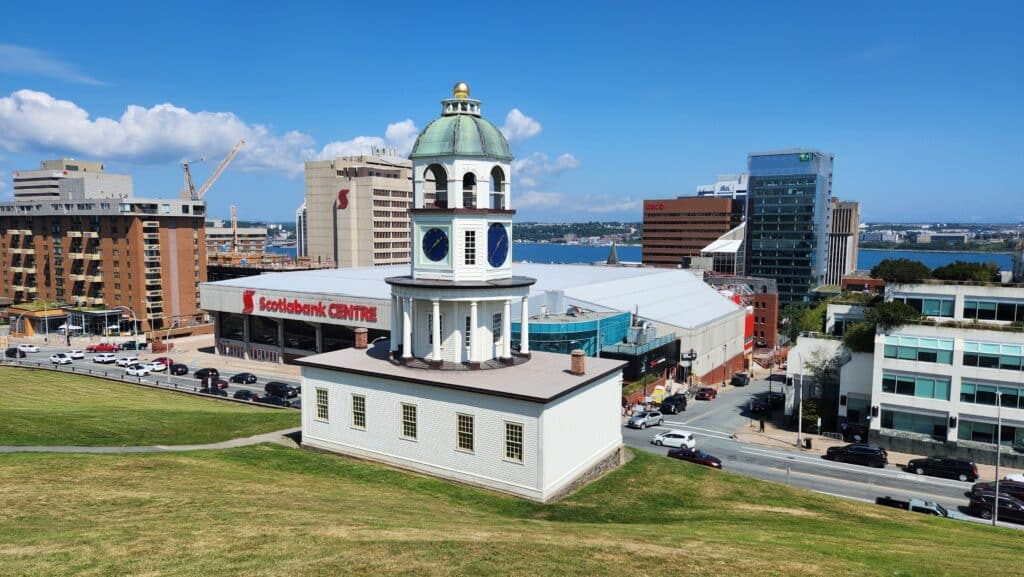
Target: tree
{"points": [[860, 337], [900, 270], [891, 314], [967, 271], [789, 320]]}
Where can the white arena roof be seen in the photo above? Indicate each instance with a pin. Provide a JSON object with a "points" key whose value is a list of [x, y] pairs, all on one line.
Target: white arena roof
{"points": [[670, 296]]}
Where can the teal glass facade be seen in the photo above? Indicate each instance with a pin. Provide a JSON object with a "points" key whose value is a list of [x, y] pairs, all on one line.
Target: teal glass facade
{"points": [[787, 226], [563, 337]]}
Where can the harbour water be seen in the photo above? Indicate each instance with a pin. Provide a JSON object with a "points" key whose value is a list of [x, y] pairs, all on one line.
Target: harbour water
{"points": [[576, 254]]}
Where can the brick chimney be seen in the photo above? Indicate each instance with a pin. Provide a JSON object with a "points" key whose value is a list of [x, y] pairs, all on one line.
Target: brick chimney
{"points": [[578, 361], [361, 338]]}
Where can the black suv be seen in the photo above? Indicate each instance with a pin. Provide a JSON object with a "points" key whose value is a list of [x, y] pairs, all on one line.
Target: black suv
{"points": [[206, 373], [740, 380], [944, 467], [673, 404], [1010, 509], [133, 346], [1014, 489], [14, 353], [859, 454], [276, 389]]}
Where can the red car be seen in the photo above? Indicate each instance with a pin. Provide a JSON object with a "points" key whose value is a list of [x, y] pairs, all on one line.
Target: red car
{"points": [[102, 348], [168, 361], [211, 382], [706, 394], [695, 456]]}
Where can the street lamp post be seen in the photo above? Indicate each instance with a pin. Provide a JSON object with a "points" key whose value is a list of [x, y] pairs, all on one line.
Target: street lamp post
{"points": [[999, 440], [167, 336], [800, 405], [724, 361]]}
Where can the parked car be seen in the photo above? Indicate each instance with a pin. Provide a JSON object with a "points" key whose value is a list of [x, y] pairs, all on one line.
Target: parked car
{"points": [[76, 354], [295, 404], [673, 404], [245, 378], [27, 348], [740, 380], [706, 394], [104, 358], [127, 361], [218, 383], [920, 506], [102, 348], [178, 369], [776, 399], [246, 395], [165, 360], [1010, 509], [275, 388], [157, 366], [273, 400], [133, 346], [960, 469], [204, 373], [14, 353], [674, 438], [695, 456], [138, 370], [213, 391], [1014, 489], [645, 419], [758, 407], [60, 359], [859, 454]]}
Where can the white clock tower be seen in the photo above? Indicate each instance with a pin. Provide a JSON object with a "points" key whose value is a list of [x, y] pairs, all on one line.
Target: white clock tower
{"points": [[454, 309]]}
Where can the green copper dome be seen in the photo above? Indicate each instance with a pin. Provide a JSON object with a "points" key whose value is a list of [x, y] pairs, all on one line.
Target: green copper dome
{"points": [[461, 135], [461, 131]]}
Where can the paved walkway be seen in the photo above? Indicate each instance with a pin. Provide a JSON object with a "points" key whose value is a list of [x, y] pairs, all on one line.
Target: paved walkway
{"points": [[275, 437]]}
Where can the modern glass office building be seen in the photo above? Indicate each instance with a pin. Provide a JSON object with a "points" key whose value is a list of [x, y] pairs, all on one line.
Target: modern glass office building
{"points": [[788, 219]]}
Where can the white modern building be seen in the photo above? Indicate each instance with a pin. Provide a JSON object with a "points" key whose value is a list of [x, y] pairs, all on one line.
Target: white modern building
{"points": [[448, 395], [938, 382]]}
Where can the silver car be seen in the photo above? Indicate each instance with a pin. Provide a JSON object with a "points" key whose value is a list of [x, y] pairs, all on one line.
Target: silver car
{"points": [[645, 419]]}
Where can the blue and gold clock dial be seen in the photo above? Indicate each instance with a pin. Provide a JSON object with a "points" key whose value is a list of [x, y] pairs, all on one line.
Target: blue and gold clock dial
{"points": [[435, 244], [497, 245]]}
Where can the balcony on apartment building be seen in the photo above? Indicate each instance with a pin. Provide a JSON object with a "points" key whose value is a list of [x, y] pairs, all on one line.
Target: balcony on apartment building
{"points": [[94, 255], [77, 276], [150, 224]]}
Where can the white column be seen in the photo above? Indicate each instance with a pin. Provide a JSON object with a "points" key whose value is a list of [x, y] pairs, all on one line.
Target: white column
{"points": [[524, 322], [435, 327], [406, 328], [506, 330], [473, 324], [396, 337]]}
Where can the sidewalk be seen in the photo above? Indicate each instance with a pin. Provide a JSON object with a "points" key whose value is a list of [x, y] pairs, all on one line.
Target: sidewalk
{"points": [[776, 437]]}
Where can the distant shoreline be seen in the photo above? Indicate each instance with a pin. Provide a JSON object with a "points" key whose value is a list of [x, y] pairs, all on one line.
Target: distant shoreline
{"points": [[936, 251]]}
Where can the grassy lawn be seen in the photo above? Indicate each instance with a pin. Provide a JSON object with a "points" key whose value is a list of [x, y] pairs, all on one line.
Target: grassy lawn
{"points": [[41, 407], [270, 510]]}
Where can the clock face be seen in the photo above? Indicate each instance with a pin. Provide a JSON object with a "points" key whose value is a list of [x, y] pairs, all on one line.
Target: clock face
{"points": [[497, 245], [435, 244]]}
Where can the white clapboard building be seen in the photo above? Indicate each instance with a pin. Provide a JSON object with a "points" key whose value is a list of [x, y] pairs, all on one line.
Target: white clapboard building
{"points": [[450, 394]]}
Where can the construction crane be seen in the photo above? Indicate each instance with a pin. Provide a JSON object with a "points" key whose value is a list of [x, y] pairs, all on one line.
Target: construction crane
{"points": [[190, 192], [234, 229]]}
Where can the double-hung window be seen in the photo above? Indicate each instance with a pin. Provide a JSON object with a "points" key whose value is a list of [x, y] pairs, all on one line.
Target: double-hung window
{"points": [[514, 442]]}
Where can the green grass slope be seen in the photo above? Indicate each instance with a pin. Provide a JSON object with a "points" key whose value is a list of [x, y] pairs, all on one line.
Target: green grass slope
{"points": [[269, 510], [39, 407]]}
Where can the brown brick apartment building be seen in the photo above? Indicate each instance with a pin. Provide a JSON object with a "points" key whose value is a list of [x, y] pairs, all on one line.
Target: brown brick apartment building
{"points": [[101, 251], [676, 229]]}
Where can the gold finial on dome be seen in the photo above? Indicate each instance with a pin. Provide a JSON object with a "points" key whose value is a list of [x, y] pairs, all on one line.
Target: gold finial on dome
{"points": [[461, 90]]}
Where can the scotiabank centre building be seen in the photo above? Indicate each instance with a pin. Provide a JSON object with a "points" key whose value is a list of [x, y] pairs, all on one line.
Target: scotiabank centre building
{"points": [[651, 314]]}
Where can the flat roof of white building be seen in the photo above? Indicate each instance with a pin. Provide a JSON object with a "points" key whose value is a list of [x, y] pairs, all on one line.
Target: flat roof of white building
{"points": [[671, 296], [543, 378]]}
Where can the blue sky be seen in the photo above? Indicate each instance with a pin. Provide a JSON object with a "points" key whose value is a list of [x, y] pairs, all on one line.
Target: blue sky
{"points": [[610, 102]]}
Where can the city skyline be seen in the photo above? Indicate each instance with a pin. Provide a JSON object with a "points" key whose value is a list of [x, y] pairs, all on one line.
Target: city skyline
{"points": [[912, 105]]}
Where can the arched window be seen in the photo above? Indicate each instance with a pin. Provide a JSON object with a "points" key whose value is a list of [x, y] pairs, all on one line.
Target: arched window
{"points": [[435, 192], [469, 190], [497, 188]]}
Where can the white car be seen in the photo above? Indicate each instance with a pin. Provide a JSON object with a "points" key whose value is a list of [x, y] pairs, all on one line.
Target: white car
{"points": [[127, 361], [105, 358], [60, 359], [76, 354], [26, 348], [674, 438], [138, 370], [156, 366]]}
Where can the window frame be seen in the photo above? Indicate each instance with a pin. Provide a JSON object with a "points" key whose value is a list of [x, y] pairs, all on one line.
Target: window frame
{"points": [[469, 247], [405, 410], [460, 431], [324, 415], [358, 412], [507, 443]]}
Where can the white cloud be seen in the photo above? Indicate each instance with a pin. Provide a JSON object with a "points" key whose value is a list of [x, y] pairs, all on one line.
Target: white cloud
{"points": [[535, 199], [519, 127], [605, 204], [529, 171], [37, 122], [23, 60]]}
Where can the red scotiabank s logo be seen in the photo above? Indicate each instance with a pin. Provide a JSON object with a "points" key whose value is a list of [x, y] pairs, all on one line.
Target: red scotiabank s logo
{"points": [[247, 304], [343, 199], [654, 206]]}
